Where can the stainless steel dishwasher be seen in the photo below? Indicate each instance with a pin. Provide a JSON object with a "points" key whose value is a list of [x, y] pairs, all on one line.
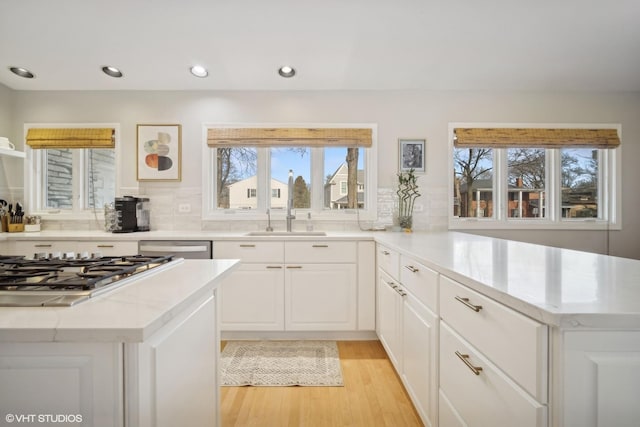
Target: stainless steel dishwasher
{"points": [[188, 249]]}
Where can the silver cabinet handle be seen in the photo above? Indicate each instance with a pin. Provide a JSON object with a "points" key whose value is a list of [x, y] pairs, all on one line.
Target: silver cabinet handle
{"points": [[466, 302], [247, 246], [386, 253], [411, 268], [391, 284], [105, 246], [465, 358], [43, 246], [401, 292], [274, 266], [319, 246], [294, 266]]}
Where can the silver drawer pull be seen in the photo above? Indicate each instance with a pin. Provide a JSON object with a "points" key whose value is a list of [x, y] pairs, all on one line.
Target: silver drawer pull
{"points": [[411, 268], [319, 246], [274, 266], [466, 302], [386, 253], [105, 246], [393, 285], [247, 246], [43, 246], [465, 358], [294, 266], [401, 292]]}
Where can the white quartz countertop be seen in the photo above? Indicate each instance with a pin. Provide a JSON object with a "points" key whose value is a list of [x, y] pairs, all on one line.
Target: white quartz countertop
{"points": [[559, 287], [131, 313]]}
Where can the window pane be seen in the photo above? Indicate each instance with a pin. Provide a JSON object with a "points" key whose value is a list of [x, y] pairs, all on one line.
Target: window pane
{"points": [[579, 182], [297, 159], [526, 196], [342, 189], [236, 175], [473, 183], [58, 185], [101, 177]]}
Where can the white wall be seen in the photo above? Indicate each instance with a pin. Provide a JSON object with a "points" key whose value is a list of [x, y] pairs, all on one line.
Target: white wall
{"points": [[399, 114], [7, 164]]}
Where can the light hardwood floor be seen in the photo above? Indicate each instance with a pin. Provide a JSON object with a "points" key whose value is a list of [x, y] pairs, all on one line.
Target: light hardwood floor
{"points": [[372, 396]]}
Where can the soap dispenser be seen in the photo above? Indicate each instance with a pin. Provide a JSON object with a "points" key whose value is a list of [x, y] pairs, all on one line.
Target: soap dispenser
{"points": [[309, 224]]}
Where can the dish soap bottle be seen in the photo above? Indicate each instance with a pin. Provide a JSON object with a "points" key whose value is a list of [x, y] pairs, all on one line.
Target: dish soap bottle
{"points": [[309, 224]]}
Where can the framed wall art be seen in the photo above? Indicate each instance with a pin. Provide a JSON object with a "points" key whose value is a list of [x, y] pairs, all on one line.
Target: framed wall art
{"points": [[412, 154], [159, 153]]}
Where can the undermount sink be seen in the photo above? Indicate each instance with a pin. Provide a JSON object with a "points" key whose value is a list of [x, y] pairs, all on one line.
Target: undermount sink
{"points": [[286, 233]]}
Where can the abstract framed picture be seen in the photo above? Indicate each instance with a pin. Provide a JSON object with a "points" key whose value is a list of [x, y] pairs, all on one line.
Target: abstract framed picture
{"points": [[412, 154], [159, 153]]}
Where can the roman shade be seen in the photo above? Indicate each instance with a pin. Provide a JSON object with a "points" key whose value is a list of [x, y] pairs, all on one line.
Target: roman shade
{"points": [[71, 138], [535, 138], [289, 137]]}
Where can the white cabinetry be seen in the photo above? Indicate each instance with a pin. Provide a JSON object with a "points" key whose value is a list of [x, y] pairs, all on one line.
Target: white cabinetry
{"points": [[493, 361], [63, 379], [106, 248], [172, 377], [601, 379], [253, 295], [408, 326], [297, 286]]}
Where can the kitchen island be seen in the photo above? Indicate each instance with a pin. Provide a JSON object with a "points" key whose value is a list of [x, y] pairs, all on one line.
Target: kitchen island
{"points": [[144, 354]]}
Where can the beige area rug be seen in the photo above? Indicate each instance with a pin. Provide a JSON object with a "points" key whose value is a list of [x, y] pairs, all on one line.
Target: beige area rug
{"points": [[281, 363]]}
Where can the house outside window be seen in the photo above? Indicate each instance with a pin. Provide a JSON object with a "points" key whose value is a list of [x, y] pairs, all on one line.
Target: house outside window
{"points": [[498, 185]]}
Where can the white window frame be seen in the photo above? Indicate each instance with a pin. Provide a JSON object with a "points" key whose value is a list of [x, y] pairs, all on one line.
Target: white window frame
{"points": [[34, 169], [211, 213], [609, 179]]}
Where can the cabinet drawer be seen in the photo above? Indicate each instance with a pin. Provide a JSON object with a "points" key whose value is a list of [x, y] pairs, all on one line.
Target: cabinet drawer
{"points": [[31, 247], [108, 248], [320, 252], [488, 398], [250, 251], [514, 342], [420, 281], [389, 261]]}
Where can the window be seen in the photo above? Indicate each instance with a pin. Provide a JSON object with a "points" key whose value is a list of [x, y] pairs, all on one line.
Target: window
{"points": [[77, 179], [70, 181], [327, 180], [503, 185]]}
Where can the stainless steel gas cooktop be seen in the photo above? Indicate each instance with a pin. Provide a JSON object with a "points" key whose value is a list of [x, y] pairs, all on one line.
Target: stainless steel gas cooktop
{"points": [[50, 280]]}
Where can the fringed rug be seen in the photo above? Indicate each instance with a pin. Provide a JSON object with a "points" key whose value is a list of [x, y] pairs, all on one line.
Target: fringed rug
{"points": [[281, 363]]}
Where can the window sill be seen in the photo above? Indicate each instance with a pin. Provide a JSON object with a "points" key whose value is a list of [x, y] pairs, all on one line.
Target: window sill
{"points": [[489, 224]]}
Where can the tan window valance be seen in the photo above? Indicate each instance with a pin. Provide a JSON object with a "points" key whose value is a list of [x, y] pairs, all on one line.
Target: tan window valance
{"points": [[535, 137], [71, 138], [289, 137]]}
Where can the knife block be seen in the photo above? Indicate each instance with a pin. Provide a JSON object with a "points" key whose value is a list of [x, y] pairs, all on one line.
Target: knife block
{"points": [[4, 221], [16, 228]]}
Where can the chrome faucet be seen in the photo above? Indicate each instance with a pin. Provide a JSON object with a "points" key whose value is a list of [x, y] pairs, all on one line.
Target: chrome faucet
{"points": [[290, 217], [269, 227]]}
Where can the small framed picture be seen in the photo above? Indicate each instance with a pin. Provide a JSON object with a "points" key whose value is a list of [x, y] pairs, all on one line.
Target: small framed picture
{"points": [[412, 154], [159, 153]]}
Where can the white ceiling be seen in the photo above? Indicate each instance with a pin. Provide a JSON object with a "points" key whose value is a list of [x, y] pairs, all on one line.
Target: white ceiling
{"points": [[333, 44]]}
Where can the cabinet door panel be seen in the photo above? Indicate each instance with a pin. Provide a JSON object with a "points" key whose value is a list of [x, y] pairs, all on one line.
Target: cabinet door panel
{"points": [[320, 297], [252, 298], [389, 318], [108, 248], [420, 337]]}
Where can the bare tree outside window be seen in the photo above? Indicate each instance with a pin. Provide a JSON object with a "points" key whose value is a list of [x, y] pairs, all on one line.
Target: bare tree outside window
{"points": [[579, 182], [473, 182], [526, 196]]}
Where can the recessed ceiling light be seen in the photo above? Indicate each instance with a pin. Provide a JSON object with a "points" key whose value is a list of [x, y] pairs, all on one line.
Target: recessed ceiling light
{"points": [[22, 72], [287, 71], [112, 71], [199, 71]]}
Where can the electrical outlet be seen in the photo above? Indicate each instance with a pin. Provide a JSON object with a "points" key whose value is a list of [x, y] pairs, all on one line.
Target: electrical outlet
{"points": [[184, 208]]}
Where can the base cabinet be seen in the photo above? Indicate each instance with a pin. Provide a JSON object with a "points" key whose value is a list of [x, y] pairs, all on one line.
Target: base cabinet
{"points": [[61, 384], [390, 318]]}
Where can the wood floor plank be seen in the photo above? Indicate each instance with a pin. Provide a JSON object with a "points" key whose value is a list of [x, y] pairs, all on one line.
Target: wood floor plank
{"points": [[372, 395]]}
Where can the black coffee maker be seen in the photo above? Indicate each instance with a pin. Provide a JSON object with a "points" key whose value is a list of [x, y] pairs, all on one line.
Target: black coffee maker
{"points": [[132, 214]]}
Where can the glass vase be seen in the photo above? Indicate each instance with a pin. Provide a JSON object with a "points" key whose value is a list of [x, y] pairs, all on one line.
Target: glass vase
{"points": [[405, 222]]}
